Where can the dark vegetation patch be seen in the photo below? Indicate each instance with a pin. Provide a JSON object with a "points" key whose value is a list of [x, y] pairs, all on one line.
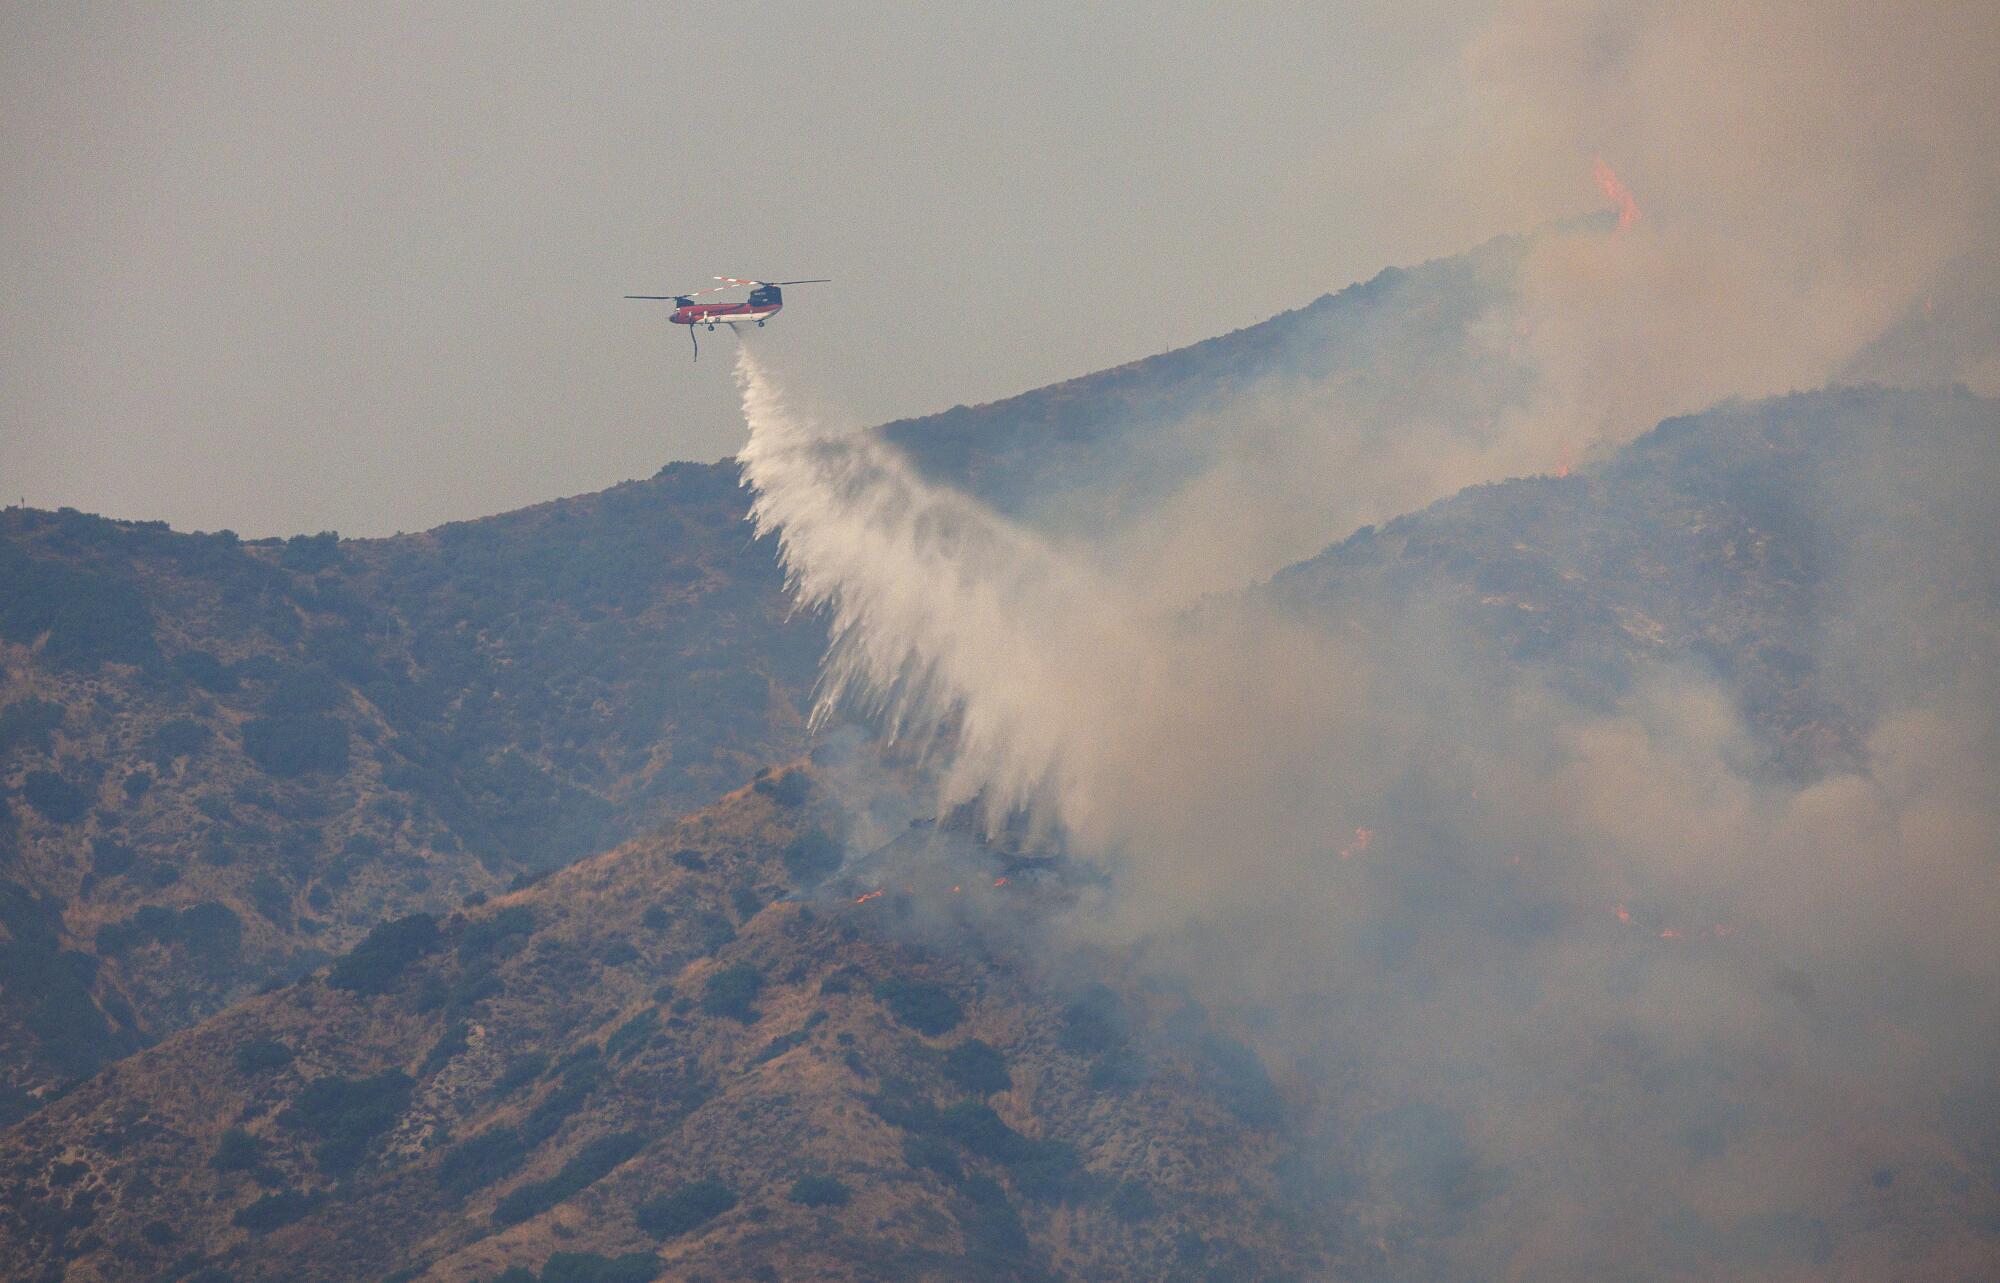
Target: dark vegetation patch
{"points": [[520, 1071], [374, 965], [495, 1153], [275, 1211], [732, 992], [819, 1191], [27, 724], [978, 1067], [58, 800], [925, 1007], [591, 1164], [689, 1207], [262, 1056], [346, 1114], [632, 1035], [81, 618], [211, 932], [296, 744], [237, 1151], [1041, 1169], [47, 988], [588, 1267], [109, 859], [455, 1038], [812, 856], [500, 933], [176, 738], [788, 788]]}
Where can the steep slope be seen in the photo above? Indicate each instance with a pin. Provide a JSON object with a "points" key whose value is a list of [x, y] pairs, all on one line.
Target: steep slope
{"points": [[1411, 345], [1817, 553], [223, 762], [669, 1055]]}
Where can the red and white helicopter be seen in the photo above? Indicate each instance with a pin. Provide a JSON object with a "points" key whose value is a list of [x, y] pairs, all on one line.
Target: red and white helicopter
{"points": [[766, 298]]}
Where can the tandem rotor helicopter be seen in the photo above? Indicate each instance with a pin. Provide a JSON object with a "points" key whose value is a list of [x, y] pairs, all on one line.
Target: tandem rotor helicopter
{"points": [[765, 299]]}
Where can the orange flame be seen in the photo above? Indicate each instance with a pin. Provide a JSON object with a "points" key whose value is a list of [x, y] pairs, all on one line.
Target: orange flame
{"points": [[999, 882], [1624, 914], [1362, 839], [872, 895], [1615, 192], [1670, 934]]}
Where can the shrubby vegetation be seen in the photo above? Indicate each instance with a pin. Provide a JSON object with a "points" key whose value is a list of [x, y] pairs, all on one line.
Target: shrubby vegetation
{"points": [[978, 1067], [812, 856], [275, 1211], [346, 1114], [27, 723], [819, 1191], [925, 1007], [238, 1151], [732, 992], [48, 987], [296, 744], [591, 1164], [588, 1267], [687, 1208], [262, 1056], [487, 935], [82, 618], [374, 965], [211, 932], [58, 800]]}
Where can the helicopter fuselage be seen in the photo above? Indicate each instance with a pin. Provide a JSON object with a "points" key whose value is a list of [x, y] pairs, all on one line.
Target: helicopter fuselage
{"points": [[712, 314]]}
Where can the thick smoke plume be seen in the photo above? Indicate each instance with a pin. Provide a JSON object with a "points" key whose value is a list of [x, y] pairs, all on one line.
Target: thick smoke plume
{"points": [[1571, 984], [1544, 970]]}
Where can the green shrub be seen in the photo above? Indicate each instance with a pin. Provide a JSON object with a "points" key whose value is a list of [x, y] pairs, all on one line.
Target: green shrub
{"points": [[108, 859], [791, 788], [375, 964], [1093, 1023], [456, 1037], [978, 1067], [275, 1211], [476, 1163], [819, 1191], [310, 554], [301, 744], [59, 801], [238, 1151], [591, 1164], [206, 671], [520, 1071], [26, 723], [632, 1035], [485, 935], [589, 1267], [345, 1114], [180, 737], [925, 1007], [732, 991], [262, 1056], [812, 856], [690, 1206]]}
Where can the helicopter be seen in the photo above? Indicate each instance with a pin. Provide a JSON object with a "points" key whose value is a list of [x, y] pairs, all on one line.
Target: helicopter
{"points": [[766, 297]]}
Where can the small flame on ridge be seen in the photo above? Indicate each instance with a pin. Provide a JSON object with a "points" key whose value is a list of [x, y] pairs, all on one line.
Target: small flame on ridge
{"points": [[1615, 192]]}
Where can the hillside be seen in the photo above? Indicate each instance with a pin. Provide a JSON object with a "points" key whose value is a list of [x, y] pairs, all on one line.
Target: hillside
{"points": [[678, 1051], [221, 762], [1820, 555], [224, 762]]}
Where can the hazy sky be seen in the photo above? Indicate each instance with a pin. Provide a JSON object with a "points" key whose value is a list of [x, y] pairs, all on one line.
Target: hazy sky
{"points": [[278, 269]]}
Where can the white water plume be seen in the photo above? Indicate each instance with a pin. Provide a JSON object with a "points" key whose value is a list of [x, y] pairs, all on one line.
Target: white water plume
{"points": [[942, 613]]}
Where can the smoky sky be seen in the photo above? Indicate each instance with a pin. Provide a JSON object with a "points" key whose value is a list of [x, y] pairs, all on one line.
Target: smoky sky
{"points": [[280, 269]]}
